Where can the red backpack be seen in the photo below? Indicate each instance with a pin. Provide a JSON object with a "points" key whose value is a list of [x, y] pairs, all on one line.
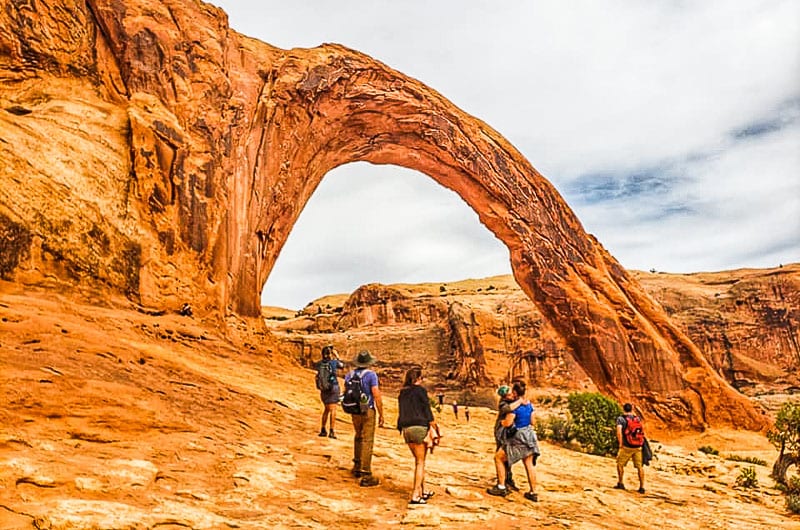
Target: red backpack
{"points": [[633, 433]]}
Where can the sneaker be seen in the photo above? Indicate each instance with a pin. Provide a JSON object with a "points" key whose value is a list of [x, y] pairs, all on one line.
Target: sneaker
{"points": [[331, 435], [641, 490], [619, 486], [323, 433], [497, 491], [511, 485], [368, 480], [531, 496]]}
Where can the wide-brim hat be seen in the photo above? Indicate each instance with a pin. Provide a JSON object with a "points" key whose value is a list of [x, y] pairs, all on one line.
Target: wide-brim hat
{"points": [[364, 358]]}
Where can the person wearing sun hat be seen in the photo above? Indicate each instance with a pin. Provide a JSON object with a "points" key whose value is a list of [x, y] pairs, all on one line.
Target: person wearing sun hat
{"points": [[503, 408], [364, 424]]}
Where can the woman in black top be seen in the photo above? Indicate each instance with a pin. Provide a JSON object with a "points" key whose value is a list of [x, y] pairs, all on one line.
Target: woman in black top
{"points": [[419, 429]]}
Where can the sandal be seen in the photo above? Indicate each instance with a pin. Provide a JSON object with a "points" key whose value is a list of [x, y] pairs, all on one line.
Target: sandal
{"points": [[428, 494], [418, 501]]}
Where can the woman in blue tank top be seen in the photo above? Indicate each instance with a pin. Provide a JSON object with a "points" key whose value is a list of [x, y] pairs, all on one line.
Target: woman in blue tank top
{"points": [[520, 444]]}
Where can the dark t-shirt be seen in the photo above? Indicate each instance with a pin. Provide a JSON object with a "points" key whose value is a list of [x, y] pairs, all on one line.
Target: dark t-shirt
{"points": [[415, 408]]}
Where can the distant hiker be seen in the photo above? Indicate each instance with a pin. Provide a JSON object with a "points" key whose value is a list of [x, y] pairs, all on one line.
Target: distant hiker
{"points": [[415, 420], [455, 409], [503, 408], [328, 384], [466, 413], [630, 436], [441, 399], [520, 444], [363, 381]]}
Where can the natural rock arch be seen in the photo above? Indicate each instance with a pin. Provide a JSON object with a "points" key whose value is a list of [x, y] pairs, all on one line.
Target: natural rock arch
{"points": [[226, 139]]}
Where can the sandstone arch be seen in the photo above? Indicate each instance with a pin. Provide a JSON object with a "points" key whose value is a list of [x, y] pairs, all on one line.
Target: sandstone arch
{"points": [[226, 138]]}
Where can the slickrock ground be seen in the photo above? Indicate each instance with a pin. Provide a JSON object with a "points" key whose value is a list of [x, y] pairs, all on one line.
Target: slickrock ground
{"points": [[117, 419]]}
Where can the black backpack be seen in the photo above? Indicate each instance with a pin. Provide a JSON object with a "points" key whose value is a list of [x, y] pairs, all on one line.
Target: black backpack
{"points": [[354, 400], [325, 378]]}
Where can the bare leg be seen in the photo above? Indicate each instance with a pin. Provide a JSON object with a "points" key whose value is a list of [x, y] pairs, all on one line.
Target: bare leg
{"points": [[500, 460], [419, 451], [641, 478], [325, 413], [620, 473], [531, 472], [331, 409]]}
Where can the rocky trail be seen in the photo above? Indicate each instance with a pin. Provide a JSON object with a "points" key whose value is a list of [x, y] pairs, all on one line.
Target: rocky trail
{"points": [[114, 418]]}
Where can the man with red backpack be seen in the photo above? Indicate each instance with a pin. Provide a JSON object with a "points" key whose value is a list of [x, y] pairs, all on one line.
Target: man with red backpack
{"points": [[630, 435]]}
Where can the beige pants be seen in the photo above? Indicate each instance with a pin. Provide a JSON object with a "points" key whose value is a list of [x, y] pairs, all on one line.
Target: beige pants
{"points": [[364, 427]]}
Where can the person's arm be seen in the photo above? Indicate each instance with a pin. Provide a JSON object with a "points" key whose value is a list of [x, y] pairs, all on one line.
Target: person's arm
{"points": [[619, 434], [378, 398], [508, 420]]}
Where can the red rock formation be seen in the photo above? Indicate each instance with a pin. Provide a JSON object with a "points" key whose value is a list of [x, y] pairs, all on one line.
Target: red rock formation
{"points": [[185, 153]]}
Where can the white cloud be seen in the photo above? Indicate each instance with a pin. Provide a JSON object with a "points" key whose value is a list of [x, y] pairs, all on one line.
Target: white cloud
{"points": [[587, 91]]}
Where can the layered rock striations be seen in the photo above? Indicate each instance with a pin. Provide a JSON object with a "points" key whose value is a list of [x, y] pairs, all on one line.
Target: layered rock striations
{"points": [[476, 334], [150, 149]]}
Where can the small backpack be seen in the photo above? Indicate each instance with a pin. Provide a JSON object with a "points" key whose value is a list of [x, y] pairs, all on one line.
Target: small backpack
{"points": [[325, 378], [633, 433], [354, 400]]}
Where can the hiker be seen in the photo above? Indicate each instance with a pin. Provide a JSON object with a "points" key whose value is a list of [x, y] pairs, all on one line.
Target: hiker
{"points": [[630, 436], [328, 384], [440, 396], [415, 420], [520, 444], [364, 424], [503, 408], [466, 413], [455, 409]]}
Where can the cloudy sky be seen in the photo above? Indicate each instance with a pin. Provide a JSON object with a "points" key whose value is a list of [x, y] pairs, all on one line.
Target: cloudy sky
{"points": [[671, 128]]}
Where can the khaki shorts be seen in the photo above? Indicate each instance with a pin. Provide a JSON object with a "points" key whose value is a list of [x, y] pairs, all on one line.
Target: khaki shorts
{"points": [[415, 434], [626, 453]]}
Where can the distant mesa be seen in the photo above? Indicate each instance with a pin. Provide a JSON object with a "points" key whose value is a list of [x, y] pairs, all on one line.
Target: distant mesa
{"points": [[149, 149]]}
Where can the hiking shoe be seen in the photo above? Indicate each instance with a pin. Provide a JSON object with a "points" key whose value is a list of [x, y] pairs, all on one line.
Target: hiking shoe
{"points": [[497, 491], [369, 480], [619, 486], [511, 485], [323, 433], [641, 490], [331, 435], [531, 496]]}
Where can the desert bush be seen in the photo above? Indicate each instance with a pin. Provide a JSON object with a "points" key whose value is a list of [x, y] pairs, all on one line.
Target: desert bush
{"points": [[707, 449], [785, 436], [554, 428], [561, 429], [594, 421], [747, 478], [747, 459], [540, 428], [793, 502], [793, 485]]}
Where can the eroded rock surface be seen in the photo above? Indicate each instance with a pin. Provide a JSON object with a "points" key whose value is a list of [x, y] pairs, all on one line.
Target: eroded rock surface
{"points": [[150, 149]]}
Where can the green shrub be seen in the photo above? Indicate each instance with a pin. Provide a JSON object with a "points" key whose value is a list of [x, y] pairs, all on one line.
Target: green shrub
{"points": [[785, 436], [540, 427], [747, 478], [793, 502], [561, 429], [594, 421], [793, 485], [707, 449], [748, 459]]}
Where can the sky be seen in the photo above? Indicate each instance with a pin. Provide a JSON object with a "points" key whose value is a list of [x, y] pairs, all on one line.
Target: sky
{"points": [[671, 128]]}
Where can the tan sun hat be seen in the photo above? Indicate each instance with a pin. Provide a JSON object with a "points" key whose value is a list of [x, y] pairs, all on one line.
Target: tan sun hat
{"points": [[363, 359]]}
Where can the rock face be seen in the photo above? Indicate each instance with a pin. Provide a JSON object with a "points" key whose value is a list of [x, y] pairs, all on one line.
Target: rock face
{"points": [[476, 334], [150, 149]]}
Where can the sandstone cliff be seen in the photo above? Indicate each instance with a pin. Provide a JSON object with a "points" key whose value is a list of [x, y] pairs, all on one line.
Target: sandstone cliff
{"points": [[475, 334], [149, 149]]}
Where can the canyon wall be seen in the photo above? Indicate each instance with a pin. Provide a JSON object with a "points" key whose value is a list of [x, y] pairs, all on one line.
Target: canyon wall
{"points": [[149, 149]]}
